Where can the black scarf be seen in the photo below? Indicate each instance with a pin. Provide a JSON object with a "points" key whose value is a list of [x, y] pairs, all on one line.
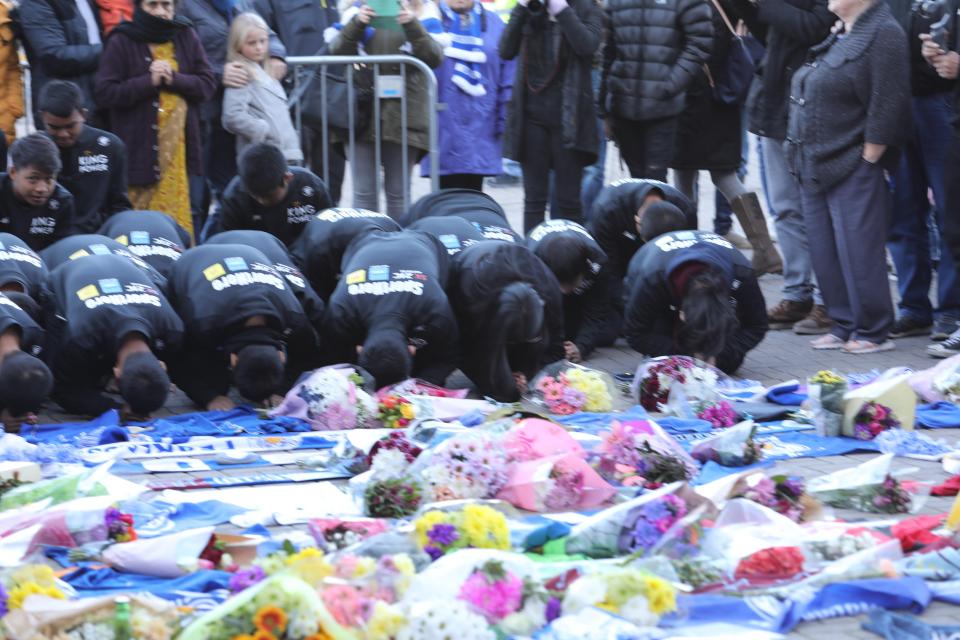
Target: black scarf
{"points": [[147, 28]]}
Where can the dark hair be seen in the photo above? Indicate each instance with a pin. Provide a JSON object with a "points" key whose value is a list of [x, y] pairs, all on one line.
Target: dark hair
{"points": [[386, 356], [30, 306], [566, 255], [143, 383], [520, 313], [25, 382], [661, 217], [38, 151], [60, 98], [708, 315], [262, 168], [258, 373]]}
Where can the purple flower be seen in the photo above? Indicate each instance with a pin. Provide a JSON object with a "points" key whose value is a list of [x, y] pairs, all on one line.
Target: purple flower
{"points": [[245, 578], [553, 609], [645, 535], [443, 534], [434, 552]]}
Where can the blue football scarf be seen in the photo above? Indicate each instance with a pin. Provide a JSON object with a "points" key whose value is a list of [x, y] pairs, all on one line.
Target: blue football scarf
{"points": [[466, 48], [939, 415]]}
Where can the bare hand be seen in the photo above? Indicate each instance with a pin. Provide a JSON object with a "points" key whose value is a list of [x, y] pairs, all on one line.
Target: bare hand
{"points": [[277, 68], [521, 381], [12, 424], [572, 353], [235, 75], [366, 15], [947, 65], [127, 415], [405, 16], [930, 49], [220, 403]]}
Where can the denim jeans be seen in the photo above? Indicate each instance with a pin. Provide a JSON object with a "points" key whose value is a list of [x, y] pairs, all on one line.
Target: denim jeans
{"points": [[921, 170]]}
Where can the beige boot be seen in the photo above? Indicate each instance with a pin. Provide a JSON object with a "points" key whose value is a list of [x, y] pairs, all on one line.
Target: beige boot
{"points": [[766, 258]]}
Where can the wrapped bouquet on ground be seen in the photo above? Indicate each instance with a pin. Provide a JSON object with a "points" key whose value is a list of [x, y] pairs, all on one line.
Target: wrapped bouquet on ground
{"points": [[892, 396], [564, 388], [641, 453], [331, 398], [668, 383], [868, 487], [826, 390], [477, 526], [734, 447], [557, 483]]}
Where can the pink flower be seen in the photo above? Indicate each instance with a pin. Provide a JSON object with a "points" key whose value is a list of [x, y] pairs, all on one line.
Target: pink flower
{"points": [[344, 603], [494, 599]]}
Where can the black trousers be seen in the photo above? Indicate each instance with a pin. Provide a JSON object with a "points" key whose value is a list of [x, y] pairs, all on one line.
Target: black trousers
{"points": [[313, 151], [543, 150], [473, 181], [951, 213], [647, 146]]}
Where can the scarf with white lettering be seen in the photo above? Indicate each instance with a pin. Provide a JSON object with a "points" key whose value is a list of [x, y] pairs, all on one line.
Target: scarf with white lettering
{"points": [[465, 32]]}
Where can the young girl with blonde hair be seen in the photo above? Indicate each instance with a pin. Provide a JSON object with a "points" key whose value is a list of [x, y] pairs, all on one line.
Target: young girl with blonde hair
{"points": [[257, 112]]}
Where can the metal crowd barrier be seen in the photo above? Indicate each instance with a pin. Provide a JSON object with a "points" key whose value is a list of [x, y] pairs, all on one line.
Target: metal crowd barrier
{"points": [[299, 64]]}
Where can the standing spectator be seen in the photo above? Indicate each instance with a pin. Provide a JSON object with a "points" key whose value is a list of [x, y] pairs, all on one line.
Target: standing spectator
{"points": [[652, 52], [552, 124], [788, 28], [709, 138], [153, 81], [946, 63], [62, 39], [921, 169], [211, 20], [475, 85], [11, 81], [94, 161], [414, 38], [113, 12], [847, 109], [301, 26], [257, 111]]}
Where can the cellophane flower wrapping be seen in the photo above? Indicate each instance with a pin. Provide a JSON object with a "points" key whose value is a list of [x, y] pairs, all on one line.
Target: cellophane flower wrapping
{"points": [[330, 399], [535, 438], [471, 465], [641, 453], [868, 487], [444, 620], [557, 483], [733, 447], [744, 527], [784, 494], [639, 597], [632, 527], [333, 534], [565, 388], [46, 618], [168, 556], [281, 601], [675, 380], [825, 391]]}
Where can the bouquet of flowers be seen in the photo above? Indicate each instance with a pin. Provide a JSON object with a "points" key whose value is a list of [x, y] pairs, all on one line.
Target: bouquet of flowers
{"points": [[444, 620], [825, 390], [395, 412], [640, 452], [282, 607], [567, 388], [474, 526], [26, 581], [392, 498], [331, 398], [492, 591], [557, 483], [867, 487], [659, 378], [150, 618], [535, 438], [768, 565], [333, 534], [119, 525], [720, 414], [872, 419], [468, 466], [734, 447], [391, 457], [784, 494], [633, 527], [639, 597]]}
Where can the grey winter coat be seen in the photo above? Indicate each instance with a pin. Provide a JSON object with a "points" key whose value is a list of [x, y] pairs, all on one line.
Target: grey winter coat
{"points": [[258, 112], [652, 52], [855, 89], [581, 24]]}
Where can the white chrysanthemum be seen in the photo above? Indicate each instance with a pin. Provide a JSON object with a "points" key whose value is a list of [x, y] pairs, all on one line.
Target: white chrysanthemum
{"points": [[389, 464], [444, 620]]}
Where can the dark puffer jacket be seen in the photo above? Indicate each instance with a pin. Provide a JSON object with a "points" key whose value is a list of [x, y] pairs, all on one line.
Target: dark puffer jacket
{"points": [[652, 51]]}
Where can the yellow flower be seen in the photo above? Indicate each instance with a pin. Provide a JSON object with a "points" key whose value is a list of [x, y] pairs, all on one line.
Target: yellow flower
{"points": [[23, 591], [243, 636], [365, 566], [40, 574], [306, 552], [606, 605], [425, 523], [485, 528], [263, 635], [404, 565], [312, 569], [270, 619], [385, 623], [406, 410], [660, 595], [319, 635]]}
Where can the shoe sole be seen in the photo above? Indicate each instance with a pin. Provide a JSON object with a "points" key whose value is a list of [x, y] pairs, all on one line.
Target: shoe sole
{"points": [[887, 346], [811, 331], [913, 332], [942, 353], [939, 336]]}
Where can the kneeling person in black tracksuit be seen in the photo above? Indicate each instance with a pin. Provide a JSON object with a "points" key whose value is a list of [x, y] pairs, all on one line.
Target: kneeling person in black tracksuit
{"points": [[454, 233], [21, 268], [240, 315], [152, 236], [390, 312], [25, 380], [94, 161], [104, 317], [695, 294], [319, 249], [589, 314], [33, 206], [476, 207], [270, 196], [85, 245], [510, 311]]}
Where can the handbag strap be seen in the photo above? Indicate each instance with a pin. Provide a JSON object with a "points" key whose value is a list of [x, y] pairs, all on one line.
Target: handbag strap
{"points": [[726, 20]]}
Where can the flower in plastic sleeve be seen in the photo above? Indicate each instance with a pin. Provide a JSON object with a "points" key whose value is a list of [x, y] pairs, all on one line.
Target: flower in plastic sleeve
{"points": [[389, 464], [493, 592], [385, 622], [444, 620]]}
